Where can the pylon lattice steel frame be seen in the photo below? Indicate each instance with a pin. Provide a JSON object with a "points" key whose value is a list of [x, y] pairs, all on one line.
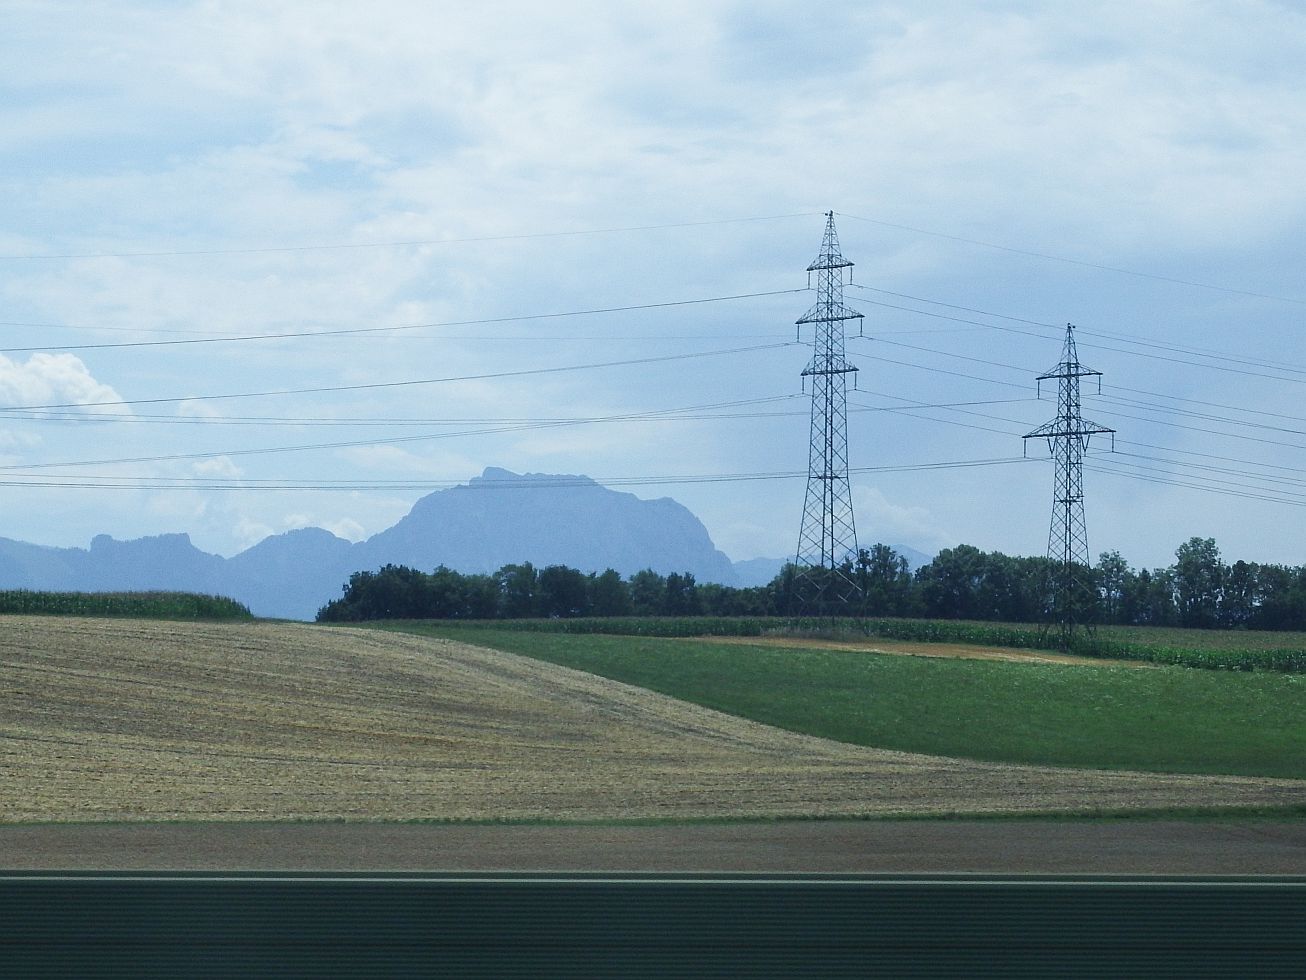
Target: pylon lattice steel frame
{"points": [[1070, 596], [824, 581]]}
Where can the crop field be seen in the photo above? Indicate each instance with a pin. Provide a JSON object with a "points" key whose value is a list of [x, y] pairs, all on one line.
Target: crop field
{"points": [[1095, 714], [136, 605], [1243, 650], [144, 720]]}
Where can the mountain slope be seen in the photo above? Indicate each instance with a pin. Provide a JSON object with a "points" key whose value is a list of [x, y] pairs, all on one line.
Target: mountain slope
{"points": [[496, 519], [502, 517]]}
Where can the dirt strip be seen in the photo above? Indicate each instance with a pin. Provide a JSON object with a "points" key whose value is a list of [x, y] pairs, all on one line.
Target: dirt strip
{"points": [[949, 651], [910, 846]]}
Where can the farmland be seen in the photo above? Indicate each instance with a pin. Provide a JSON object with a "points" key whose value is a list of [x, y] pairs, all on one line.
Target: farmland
{"points": [[1242, 650], [1103, 715], [132, 720], [136, 605]]}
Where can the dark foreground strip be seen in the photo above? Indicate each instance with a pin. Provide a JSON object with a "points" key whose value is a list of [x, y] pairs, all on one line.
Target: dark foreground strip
{"points": [[543, 925]]}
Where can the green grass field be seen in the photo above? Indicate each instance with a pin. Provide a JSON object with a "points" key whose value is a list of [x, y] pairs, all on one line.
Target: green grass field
{"points": [[1208, 649], [1166, 719]]}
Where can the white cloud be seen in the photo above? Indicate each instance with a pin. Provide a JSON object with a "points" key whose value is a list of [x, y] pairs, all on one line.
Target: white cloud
{"points": [[346, 528], [55, 380], [1159, 134], [220, 467], [880, 519], [249, 532]]}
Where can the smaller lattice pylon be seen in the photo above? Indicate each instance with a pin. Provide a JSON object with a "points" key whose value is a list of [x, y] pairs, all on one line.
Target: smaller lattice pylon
{"points": [[1070, 599]]}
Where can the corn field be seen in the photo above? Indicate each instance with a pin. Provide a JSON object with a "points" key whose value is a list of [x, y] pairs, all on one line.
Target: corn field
{"points": [[134, 605]]}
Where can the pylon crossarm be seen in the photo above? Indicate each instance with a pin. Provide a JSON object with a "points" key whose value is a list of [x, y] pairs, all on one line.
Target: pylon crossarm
{"points": [[1069, 371]]}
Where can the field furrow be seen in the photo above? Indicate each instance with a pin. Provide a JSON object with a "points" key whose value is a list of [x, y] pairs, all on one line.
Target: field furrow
{"points": [[122, 720]]}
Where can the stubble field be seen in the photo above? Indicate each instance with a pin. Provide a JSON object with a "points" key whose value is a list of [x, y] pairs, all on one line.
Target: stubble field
{"points": [[132, 720]]}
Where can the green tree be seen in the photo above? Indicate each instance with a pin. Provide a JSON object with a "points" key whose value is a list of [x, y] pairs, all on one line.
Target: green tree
{"points": [[781, 589], [609, 595], [518, 587], [1282, 593], [1152, 598], [681, 595], [393, 592], [1113, 585], [885, 581], [1240, 595], [648, 593], [480, 596], [444, 595], [1198, 581], [563, 592], [949, 584]]}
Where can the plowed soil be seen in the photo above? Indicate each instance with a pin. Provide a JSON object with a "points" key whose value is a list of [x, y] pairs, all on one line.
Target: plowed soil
{"points": [[104, 720]]}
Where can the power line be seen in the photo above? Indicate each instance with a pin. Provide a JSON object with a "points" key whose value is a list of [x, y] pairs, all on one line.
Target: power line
{"points": [[1196, 352], [1197, 401], [909, 411], [938, 370], [950, 306], [1243, 475], [402, 244], [1219, 484], [1079, 262], [1117, 414], [1198, 428], [333, 389], [382, 421], [357, 443], [1136, 404], [1223, 459], [411, 326], [1099, 468], [140, 484]]}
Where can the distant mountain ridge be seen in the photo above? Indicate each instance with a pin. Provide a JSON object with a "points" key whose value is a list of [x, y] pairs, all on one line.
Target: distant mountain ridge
{"points": [[493, 520]]}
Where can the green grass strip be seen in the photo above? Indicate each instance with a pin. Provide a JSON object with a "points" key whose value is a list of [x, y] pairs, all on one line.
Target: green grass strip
{"points": [[1242, 650], [1101, 717]]}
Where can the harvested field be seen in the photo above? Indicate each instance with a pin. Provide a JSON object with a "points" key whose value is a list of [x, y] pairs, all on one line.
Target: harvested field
{"points": [[134, 720]]}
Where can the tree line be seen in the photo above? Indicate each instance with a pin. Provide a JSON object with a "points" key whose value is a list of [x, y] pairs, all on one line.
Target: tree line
{"points": [[1198, 590], [526, 592]]}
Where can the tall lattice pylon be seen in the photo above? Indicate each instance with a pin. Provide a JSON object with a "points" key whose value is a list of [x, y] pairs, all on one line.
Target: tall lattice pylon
{"points": [[1070, 598], [824, 579]]}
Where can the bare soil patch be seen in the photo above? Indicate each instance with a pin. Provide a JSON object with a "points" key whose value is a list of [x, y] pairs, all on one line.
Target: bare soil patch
{"points": [[868, 846], [912, 649], [110, 720]]}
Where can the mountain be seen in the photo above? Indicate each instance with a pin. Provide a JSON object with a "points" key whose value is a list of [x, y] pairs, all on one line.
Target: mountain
{"points": [[495, 519], [760, 571], [291, 575], [502, 517], [163, 561]]}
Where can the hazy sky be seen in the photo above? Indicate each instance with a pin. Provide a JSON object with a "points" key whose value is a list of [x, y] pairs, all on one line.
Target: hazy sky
{"points": [[179, 172]]}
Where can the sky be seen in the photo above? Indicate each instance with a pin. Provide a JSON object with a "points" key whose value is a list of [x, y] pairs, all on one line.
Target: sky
{"points": [[570, 238]]}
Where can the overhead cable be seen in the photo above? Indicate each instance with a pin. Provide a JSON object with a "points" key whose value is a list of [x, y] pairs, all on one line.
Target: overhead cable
{"points": [[343, 246]]}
